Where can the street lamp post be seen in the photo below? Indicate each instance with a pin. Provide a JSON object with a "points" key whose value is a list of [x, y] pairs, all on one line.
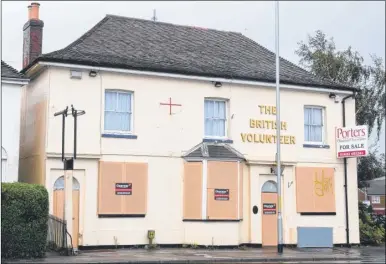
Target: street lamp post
{"points": [[278, 127]]}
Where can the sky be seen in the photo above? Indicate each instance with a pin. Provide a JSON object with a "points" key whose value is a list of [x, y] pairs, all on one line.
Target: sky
{"points": [[359, 24]]}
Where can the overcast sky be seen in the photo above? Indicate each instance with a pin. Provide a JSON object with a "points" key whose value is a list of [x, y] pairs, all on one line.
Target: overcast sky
{"points": [[360, 25]]}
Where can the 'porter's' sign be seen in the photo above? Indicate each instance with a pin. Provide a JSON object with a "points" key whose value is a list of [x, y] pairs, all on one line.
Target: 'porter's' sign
{"points": [[221, 194], [351, 142], [123, 188]]}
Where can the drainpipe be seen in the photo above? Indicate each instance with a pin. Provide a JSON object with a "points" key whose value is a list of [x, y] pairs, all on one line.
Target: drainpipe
{"points": [[345, 173]]}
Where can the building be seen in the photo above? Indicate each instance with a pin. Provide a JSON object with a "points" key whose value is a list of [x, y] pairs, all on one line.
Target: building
{"points": [[375, 193], [179, 137], [11, 86]]}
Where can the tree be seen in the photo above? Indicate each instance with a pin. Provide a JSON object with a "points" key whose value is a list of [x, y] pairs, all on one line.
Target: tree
{"points": [[320, 57], [347, 67], [371, 167]]}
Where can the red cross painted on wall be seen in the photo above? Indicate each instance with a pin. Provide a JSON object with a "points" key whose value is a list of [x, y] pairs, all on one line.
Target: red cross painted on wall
{"points": [[170, 105]]}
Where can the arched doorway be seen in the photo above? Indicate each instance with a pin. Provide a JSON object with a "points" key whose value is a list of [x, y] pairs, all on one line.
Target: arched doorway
{"points": [[59, 205], [269, 213]]}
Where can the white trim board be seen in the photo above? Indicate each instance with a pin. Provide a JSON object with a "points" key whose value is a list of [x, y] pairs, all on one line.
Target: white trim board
{"points": [[198, 78]]}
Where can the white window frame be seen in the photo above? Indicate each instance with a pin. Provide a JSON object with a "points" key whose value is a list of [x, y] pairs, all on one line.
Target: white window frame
{"points": [[375, 199], [226, 117], [119, 132], [323, 125]]}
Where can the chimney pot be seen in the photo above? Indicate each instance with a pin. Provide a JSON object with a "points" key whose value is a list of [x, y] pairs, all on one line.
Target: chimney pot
{"points": [[34, 11]]}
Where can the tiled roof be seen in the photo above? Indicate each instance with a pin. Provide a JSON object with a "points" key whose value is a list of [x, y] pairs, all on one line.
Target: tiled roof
{"points": [[218, 151], [122, 42], [8, 71], [377, 188]]}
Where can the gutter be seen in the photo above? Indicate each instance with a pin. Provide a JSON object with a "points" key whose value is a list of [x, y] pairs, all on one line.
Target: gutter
{"points": [[14, 80], [345, 172], [192, 77]]}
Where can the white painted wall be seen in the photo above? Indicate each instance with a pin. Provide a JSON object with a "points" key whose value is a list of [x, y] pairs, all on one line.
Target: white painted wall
{"points": [[163, 138], [10, 120]]}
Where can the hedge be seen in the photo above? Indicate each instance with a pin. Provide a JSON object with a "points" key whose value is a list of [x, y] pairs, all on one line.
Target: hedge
{"points": [[371, 226], [24, 217]]}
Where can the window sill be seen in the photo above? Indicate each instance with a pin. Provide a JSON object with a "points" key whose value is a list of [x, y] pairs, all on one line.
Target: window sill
{"points": [[212, 220], [321, 213], [316, 146], [120, 215], [219, 140], [111, 135]]}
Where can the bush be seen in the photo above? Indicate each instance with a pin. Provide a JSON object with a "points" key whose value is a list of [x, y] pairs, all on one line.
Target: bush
{"points": [[371, 226], [24, 216]]}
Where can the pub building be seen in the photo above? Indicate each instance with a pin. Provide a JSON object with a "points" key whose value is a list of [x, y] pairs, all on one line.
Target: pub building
{"points": [[179, 137]]}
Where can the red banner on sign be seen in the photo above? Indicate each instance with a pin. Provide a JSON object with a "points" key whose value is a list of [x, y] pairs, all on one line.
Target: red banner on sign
{"points": [[352, 153]]}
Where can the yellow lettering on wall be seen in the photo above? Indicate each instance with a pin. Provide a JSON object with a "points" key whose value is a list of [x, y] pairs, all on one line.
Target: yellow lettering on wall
{"points": [[265, 138], [322, 185], [274, 125], [256, 138], [259, 124], [252, 123], [261, 108], [283, 125], [268, 110]]}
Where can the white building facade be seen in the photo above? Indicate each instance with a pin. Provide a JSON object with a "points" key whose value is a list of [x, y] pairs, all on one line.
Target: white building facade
{"points": [[11, 87], [179, 137]]}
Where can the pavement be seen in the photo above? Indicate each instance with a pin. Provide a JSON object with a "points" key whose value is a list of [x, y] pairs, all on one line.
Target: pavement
{"points": [[266, 255]]}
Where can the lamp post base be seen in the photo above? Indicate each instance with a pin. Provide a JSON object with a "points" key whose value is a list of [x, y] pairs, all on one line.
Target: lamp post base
{"points": [[280, 248]]}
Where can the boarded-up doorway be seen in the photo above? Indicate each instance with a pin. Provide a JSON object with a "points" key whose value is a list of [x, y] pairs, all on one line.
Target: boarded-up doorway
{"points": [[269, 213], [59, 205]]}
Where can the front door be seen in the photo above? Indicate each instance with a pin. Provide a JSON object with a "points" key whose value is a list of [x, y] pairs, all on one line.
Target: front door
{"points": [[59, 206], [269, 214]]}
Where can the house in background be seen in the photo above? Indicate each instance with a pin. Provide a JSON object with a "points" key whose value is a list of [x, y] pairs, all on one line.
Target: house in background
{"points": [[376, 195], [179, 137], [11, 87]]}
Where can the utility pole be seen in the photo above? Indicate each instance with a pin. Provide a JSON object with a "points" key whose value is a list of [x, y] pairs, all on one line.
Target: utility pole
{"points": [[278, 161], [68, 166]]}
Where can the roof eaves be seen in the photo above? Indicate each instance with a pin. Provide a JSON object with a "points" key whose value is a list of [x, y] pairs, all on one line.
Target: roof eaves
{"points": [[122, 66]]}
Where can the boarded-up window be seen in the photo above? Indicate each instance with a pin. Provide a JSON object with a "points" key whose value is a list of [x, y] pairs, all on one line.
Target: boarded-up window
{"points": [[192, 190], [122, 188], [315, 190], [222, 190]]}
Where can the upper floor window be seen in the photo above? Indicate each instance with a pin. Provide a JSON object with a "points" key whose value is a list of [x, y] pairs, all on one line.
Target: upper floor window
{"points": [[215, 118], [313, 124], [118, 111], [375, 199]]}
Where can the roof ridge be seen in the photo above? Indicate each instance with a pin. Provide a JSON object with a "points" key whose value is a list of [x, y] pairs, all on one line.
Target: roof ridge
{"points": [[169, 23]]}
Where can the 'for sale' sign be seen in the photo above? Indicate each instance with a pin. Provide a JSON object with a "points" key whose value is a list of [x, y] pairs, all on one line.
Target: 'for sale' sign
{"points": [[351, 142]]}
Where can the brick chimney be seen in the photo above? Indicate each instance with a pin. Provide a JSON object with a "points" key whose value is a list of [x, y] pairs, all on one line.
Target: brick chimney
{"points": [[33, 35]]}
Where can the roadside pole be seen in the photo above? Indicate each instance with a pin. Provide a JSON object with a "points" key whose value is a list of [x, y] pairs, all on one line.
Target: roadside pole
{"points": [[278, 127]]}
